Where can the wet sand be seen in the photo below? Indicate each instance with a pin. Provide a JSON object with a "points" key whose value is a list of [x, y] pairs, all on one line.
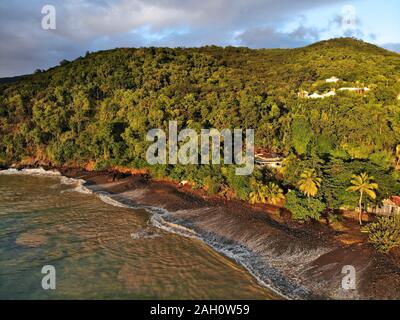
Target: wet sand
{"points": [[300, 261]]}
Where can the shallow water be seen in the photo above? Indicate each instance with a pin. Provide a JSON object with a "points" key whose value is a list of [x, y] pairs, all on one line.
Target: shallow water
{"points": [[101, 251]]}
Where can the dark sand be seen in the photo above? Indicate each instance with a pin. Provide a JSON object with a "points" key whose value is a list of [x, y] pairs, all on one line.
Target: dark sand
{"points": [[298, 260]]}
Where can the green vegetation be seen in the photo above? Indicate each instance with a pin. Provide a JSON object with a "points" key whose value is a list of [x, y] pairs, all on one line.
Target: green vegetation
{"points": [[363, 184], [309, 183], [304, 208], [384, 234], [99, 108], [270, 193]]}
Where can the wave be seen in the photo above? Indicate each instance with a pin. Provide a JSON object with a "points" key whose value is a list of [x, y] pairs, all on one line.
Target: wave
{"points": [[31, 172], [239, 253], [144, 234], [267, 273], [159, 219]]}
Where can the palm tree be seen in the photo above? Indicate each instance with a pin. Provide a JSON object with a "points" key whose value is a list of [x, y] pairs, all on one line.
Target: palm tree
{"points": [[309, 182], [362, 183], [258, 194], [398, 155], [274, 193], [270, 193]]}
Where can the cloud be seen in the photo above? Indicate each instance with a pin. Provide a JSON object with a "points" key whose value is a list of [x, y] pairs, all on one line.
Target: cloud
{"points": [[25, 45], [303, 34], [271, 38], [356, 29], [109, 17], [102, 24]]}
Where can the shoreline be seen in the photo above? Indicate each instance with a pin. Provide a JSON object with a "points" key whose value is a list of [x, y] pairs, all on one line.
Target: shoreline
{"points": [[293, 260]]}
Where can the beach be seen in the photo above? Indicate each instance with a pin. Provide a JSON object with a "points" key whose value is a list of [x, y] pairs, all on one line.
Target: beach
{"points": [[298, 261]]}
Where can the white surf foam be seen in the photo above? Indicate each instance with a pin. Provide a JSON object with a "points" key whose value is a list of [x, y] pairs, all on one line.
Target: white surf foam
{"points": [[144, 234], [158, 218], [82, 189], [239, 254], [69, 181], [33, 172], [107, 198]]}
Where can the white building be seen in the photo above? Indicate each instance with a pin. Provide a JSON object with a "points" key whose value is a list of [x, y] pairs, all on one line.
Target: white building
{"points": [[332, 80], [315, 96], [358, 90], [321, 96], [304, 94], [270, 160], [389, 207], [329, 94]]}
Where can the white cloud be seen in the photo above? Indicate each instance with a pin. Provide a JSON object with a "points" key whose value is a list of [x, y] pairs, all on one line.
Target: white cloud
{"points": [[271, 38], [92, 24]]}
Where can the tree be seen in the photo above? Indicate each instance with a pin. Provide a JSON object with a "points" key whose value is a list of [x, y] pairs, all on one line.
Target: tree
{"points": [[99, 109], [63, 62], [384, 234], [398, 155], [257, 195], [301, 135], [270, 193], [362, 183], [309, 182], [304, 208], [273, 193]]}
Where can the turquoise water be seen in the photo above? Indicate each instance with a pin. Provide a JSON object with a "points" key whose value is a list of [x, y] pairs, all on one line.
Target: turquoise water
{"points": [[101, 251]]}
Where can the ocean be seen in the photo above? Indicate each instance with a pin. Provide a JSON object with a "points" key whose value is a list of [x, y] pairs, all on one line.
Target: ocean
{"points": [[101, 249]]}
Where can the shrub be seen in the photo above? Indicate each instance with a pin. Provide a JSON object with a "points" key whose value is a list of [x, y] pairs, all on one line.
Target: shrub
{"points": [[212, 185], [303, 208], [240, 184], [384, 234], [102, 164]]}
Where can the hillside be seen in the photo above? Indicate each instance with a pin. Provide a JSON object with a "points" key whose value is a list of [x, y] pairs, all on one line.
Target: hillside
{"points": [[99, 108], [10, 79]]}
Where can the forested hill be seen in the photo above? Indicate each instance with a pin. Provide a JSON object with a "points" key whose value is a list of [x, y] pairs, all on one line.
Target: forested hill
{"points": [[99, 107]]}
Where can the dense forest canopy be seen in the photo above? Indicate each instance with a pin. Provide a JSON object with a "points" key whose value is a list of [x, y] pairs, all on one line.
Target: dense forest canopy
{"points": [[99, 108]]}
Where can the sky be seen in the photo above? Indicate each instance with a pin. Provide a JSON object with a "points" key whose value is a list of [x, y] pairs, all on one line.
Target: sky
{"points": [[34, 39]]}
